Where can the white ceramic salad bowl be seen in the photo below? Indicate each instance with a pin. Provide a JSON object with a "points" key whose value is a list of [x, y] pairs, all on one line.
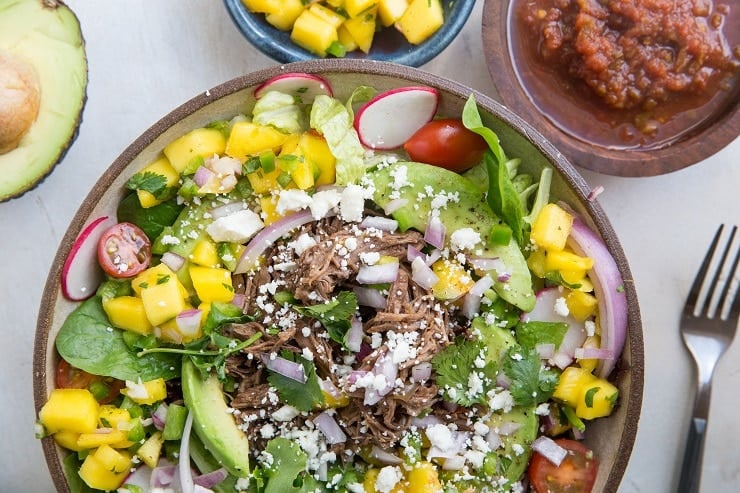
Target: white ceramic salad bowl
{"points": [[610, 438]]}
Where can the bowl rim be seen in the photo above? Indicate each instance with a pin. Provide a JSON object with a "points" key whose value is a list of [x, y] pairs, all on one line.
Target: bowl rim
{"points": [[703, 142], [571, 177], [262, 35]]}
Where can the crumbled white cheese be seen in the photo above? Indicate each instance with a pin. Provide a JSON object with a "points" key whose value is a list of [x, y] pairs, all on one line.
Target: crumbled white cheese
{"points": [[292, 199], [352, 203], [324, 201], [561, 307], [370, 258], [387, 479], [590, 327], [302, 243], [285, 413], [464, 239], [500, 401], [237, 227]]}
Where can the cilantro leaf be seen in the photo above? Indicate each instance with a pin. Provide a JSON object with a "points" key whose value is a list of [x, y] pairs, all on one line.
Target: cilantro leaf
{"points": [[463, 373], [334, 315], [531, 383], [151, 182], [303, 396], [288, 462], [529, 334]]}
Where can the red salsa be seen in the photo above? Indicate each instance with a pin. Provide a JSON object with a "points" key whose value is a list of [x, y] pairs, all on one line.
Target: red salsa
{"points": [[650, 71]]}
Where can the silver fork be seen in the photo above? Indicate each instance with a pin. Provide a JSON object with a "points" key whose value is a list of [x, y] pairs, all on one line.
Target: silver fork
{"points": [[708, 325]]}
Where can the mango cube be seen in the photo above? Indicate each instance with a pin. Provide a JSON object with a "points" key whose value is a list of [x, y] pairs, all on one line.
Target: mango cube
{"points": [[362, 29], [212, 284], [163, 301], [68, 440], [74, 410], [329, 15], [581, 305], [147, 392], [285, 16], [151, 449], [106, 468], [268, 204], [155, 275], [205, 253], [551, 227], [313, 33], [101, 437], [571, 383], [250, 139], [355, 8], [390, 11], [128, 313], [198, 143], [420, 20], [423, 478], [161, 167], [114, 417], [598, 400]]}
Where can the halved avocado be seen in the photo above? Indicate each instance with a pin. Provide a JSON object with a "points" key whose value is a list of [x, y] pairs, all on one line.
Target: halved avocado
{"points": [[42, 64]]}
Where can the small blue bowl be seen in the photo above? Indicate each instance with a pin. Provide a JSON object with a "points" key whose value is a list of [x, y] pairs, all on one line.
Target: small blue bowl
{"points": [[389, 45]]}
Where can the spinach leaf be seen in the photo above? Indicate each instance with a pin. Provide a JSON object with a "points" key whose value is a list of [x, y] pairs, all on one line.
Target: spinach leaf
{"points": [[502, 197], [151, 220], [87, 341]]}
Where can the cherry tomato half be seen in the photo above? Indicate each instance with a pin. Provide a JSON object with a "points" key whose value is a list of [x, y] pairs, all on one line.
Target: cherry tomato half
{"points": [[105, 389], [124, 250], [576, 474], [446, 143]]}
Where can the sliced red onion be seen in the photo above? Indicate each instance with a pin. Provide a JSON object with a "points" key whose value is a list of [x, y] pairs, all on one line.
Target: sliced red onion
{"points": [[188, 322], [385, 367], [426, 421], [481, 286], [470, 306], [370, 297], [163, 475], [435, 232], [355, 334], [454, 463], [186, 473], [422, 371], [201, 489], [595, 192], [239, 299], [491, 264], [378, 273], [380, 223], [173, 261], [203, 175], [412, 252], [394, 205], [493, 439], [267, 236], [609, 291], [355, 375], [328, 386], [285, 367], [546, 351], [141, 477], [593, 353], [211, 479], [384, 457], [502, 380], [226, 165], [508, 428], [328, 426], [549, 449], [226, 209], [422, 274], [159, 416]]}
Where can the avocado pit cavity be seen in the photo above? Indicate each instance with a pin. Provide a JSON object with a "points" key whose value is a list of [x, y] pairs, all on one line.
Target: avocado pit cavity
{"points": [[19, 100]]}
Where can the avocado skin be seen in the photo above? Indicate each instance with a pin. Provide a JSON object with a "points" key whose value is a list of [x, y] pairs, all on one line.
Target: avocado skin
{"points": [[212, 422], [470, 211], [48, 140]]}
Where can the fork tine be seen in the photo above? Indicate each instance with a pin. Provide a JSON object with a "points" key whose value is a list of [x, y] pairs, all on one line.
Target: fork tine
{"points": [[691, 300], [732, 306]]}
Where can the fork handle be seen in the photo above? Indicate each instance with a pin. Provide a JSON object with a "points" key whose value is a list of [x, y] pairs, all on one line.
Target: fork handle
{"points": [[692, 457]]}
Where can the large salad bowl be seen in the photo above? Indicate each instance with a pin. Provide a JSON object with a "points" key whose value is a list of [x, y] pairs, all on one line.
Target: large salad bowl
{"points": [[611, 438]]}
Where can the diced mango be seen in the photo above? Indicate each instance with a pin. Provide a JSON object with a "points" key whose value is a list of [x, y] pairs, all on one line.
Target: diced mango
{"points": [[198, 143], [313, 33], [551, 227], [212, 284], [128, 313], [249, 139], [420, 20], [96, 470], [163, 300], [581, 305], [205, 253], [285, 16], [589, 364], [329, 15], [161, 167], [151, 449], [314, 148], [390, 11], [362, 29], [100, 437], [571, 383], [454, 281], [68, 440], [268, 204], [598, 400], [74, 410], [565, 261], [155, 275], [371, 476], [114, 417], [423, 478], [346, 39], [355, 8], [262, 6], [147, 392], [262, 182]]}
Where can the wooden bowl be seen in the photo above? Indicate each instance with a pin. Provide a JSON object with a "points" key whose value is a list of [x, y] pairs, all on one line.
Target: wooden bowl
{"points": [[611, 438], [682, 146], [389, 45]]}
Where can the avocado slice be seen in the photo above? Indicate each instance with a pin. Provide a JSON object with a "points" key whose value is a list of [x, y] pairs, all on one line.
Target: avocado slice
{"points": [[512, 461], [469, 211], [42, 60], [212, 422]]}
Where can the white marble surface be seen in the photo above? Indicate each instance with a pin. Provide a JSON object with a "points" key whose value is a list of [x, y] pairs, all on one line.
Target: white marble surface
{"points": [[147, 57]]}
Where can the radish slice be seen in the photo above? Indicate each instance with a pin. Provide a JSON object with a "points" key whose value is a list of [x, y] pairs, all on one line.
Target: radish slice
{"points": [[389, 119], [81, 273], [307, 86]]}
